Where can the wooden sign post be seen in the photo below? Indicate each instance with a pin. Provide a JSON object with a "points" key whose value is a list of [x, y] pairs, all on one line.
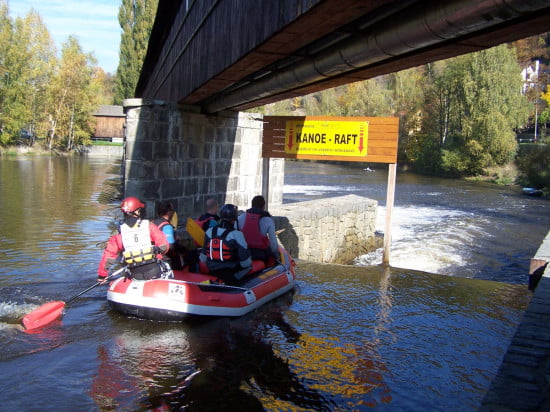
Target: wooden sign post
{"points": [[350, 139]]}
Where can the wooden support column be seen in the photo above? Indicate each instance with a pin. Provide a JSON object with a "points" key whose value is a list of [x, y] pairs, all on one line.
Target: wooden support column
{"points": [[265, 181]]}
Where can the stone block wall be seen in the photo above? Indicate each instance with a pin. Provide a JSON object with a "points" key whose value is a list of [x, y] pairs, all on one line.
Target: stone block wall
{"points": [[334, 230], [175, 153]]}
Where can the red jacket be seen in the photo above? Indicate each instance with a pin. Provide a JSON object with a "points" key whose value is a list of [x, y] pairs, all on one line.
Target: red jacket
{"points": [[114, 248]]}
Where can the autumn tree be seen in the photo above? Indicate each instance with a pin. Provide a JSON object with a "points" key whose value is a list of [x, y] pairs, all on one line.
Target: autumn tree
{"points": [[72, 98], [136, 18], [28, 56], [406, 97], [473, 107], [6, 34]]}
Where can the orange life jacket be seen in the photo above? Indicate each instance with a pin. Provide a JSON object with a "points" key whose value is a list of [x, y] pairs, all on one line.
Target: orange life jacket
{"points": [[218, 248]]}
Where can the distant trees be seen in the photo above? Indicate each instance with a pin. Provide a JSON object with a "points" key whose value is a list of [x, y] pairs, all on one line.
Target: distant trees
{"points": [[473, 107], [47, 97], [136, 18]]}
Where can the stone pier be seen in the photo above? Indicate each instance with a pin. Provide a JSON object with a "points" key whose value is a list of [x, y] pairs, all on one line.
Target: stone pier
{"points": [[175, 153], [333, 230]]}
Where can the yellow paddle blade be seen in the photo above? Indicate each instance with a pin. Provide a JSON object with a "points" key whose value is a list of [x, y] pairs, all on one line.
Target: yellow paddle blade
{"points": [[195, 231], [174, 220]]}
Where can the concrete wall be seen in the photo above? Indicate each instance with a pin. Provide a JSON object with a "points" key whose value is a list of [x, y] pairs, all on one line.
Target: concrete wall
{"points": [[175, 153], [334, 230], [538, 266], [103, 151]]}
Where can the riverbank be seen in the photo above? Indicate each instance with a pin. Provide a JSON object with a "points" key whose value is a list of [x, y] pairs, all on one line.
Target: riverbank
{"points": [[37, 150]]}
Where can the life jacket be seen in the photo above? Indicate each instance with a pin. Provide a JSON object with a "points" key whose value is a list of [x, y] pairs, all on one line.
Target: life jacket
{"points": [[218, 248], [161, 222], [251, 229], [136, 242], [204, 220]]}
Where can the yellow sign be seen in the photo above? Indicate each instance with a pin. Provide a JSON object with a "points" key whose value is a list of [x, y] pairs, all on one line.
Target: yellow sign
{"points": [[327, 138]]}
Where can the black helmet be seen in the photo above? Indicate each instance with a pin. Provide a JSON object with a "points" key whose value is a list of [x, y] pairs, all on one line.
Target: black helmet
{"points": [[228, 212]]}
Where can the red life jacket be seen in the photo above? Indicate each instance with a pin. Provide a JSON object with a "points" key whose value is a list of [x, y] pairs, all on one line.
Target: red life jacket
{"points": [[251, 229], [218, 249]]}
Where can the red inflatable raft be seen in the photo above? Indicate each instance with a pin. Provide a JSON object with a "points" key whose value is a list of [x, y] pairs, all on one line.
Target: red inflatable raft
{"points": [[196, 294]]}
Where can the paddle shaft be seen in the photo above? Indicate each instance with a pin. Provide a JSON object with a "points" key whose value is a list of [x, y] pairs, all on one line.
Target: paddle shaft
{"points": [[108, 278]]}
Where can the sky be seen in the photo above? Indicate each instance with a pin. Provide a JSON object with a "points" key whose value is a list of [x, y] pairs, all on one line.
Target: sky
{"points": [[93, 22]]}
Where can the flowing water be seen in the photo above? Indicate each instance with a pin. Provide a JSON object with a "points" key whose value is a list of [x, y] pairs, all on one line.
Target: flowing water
{"points": [[426, 334]]}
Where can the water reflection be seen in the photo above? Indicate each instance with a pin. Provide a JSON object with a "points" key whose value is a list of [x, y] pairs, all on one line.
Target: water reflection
{"points": [[221, 364]]}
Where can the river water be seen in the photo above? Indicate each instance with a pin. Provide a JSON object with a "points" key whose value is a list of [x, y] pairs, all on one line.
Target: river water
{"points": [[426, 334]]}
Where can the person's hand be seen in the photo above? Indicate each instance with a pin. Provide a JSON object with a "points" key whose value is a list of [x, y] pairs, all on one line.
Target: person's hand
{"points": [[101, 280]]}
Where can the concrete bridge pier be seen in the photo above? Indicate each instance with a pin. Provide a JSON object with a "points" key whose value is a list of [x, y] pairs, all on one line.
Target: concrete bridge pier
{"points": [[175, 153]]}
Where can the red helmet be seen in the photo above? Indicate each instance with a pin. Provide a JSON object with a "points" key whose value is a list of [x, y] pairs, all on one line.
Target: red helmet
{"points": [[131, 204]]}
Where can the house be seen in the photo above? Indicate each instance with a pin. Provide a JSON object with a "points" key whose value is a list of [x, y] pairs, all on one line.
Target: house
{"points": [[109, 123]]}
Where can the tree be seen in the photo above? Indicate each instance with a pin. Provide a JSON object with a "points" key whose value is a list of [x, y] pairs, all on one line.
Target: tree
{"points": [[28, 56], [473, 107], [41, 64], [407, 97], [136, 18], [72, 97]]}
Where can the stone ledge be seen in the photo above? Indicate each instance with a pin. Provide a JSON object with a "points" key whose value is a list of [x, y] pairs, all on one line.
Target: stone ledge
{"points": [[333, 230]]}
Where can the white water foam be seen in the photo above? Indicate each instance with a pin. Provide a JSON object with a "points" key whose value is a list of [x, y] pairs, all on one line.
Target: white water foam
{"points": [[308, 190], [11, 313], [429, 239]]}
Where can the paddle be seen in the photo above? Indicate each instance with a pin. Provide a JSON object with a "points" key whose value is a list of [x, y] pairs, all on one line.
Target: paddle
{"points": [[195, 231], [174, 220], [50, 311]]}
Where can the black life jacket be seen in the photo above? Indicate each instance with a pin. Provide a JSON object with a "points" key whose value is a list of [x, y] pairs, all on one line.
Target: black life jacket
{"points": [[204, 220], [161, 222], [219, 249]]}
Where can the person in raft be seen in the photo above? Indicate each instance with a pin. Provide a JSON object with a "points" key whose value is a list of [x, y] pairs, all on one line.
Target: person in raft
{"points": [[225, 251], [259, 230], [138, 242], [175, 254], [210, 216]]}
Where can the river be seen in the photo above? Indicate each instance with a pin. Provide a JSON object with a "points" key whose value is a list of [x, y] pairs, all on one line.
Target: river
{"points": [[426, 334]]}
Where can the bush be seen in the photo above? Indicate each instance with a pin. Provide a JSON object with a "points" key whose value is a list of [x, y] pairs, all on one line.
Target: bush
{"points": [[533, 161]]}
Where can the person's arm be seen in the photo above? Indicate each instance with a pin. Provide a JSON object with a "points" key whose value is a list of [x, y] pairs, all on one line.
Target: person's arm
{"points": [[202, 255], [239, 223], [168, 231], [269, 227], [110, 256], [158, 238], [243, 252]]}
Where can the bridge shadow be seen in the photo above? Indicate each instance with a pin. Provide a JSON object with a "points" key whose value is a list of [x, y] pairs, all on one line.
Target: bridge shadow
{"points": [[287, 235]]}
